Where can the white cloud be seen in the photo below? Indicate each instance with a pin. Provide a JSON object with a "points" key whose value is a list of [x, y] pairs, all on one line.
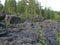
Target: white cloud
{"points": [[53, 4], [2, 1]]}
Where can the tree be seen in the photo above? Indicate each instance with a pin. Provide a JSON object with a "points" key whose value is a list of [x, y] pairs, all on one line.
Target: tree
{"points": [[1, 7], [32, 9], [45, 14], [40, 7], [49, 13], [21, 6], [10, 6], [37, 8]]}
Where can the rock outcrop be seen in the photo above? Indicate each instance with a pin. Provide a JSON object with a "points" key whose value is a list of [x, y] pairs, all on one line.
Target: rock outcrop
{"points": [[12, 19], [21, 34], [15, 20], [2, 17], [28, 33], [50, 29]]}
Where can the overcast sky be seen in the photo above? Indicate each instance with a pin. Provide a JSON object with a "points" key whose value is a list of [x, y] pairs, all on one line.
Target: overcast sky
{"points": [[53, 4]]}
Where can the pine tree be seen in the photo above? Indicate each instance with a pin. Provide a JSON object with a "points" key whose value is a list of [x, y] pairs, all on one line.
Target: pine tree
{"points": [[32, 7], [49, 14], [40, 10], [21, 6], [1, 7], [10, 6], [45, 15]]}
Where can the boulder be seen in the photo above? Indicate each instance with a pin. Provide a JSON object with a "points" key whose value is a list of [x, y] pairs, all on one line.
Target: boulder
{"points": [[50, 30], [2, 17], [50, 37], [30, 36], [15, 20], [2, 29], [25, 37], [38, 44]]}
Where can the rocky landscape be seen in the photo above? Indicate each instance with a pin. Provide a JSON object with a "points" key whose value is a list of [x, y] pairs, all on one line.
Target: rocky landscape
{"points": [[16, 32], [29, 22], [28, 33]]}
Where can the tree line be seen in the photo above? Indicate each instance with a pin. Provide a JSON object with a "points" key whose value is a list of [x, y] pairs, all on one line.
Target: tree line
{"points": [[28, 9]]}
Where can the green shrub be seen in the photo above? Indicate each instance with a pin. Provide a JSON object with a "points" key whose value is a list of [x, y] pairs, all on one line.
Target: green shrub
{"points": [[0, 30], [37, 22], [57, 17], [7, 24], [58, 38], [41, 39]]}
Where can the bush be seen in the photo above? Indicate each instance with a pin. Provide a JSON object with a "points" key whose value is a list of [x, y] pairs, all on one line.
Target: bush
{"points": [[58, 38], [7, 24], [57, 17], [41, 39]]}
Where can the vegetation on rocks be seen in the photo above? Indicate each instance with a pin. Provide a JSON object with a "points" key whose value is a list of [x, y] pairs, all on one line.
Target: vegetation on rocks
{"points": [[29, 9], [40, 28], [7, 24], [58, 38], [42, 38]]}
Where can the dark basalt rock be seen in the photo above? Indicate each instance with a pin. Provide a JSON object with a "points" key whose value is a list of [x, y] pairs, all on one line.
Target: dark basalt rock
{"points": [[30, 36], [24, 37], [2, 29], [50, 30], [2, 17], [50, 38], [15, 20], [26, 34]]}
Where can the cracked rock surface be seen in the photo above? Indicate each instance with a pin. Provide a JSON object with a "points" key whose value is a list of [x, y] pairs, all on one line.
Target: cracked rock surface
{"points": [[26, 33]]}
